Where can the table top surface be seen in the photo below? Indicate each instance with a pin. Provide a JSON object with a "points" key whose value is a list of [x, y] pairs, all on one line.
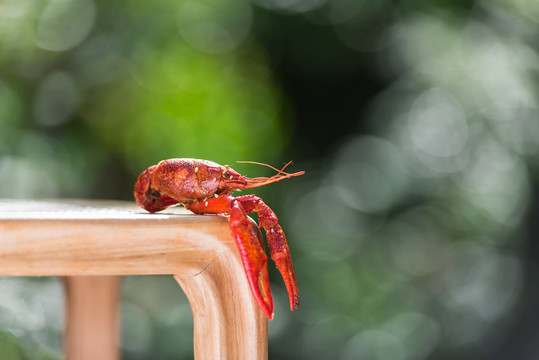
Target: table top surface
{"points": [[73, 209], [104, 237]]}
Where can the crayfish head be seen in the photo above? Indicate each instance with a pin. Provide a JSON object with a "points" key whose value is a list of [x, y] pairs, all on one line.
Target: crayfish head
{"points": [[231, 180]]}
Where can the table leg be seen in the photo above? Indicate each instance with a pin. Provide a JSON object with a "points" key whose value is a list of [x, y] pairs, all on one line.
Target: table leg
{"points": [[227, 321], [92, 318]]}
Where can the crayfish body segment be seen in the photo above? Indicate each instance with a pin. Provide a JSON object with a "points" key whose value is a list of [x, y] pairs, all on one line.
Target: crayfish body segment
{"points": [[204, 187]]}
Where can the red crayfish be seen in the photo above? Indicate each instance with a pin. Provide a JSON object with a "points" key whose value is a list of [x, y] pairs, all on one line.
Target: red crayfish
{"points": [[204, 187]]}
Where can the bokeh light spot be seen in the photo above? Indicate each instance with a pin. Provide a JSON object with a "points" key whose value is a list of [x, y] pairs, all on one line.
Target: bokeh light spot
{"points": [[369, 175], [417, 331], [56, 99], [374, 345], [293, 6], [484, 281], [437, 124], [64, 24], [213, 28]]}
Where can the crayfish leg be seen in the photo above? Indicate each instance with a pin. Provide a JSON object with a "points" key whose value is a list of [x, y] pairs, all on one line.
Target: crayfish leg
{"points": [[250, 246], [253, 257], [277, 243]]}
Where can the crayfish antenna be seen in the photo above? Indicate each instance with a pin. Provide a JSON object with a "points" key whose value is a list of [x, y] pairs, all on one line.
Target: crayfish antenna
{"points": [[271, 167], [261, 181]]}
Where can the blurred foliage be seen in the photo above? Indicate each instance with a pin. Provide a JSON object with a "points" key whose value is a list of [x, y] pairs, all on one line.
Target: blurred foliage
{"points": [[417, 123], [89, 88]]}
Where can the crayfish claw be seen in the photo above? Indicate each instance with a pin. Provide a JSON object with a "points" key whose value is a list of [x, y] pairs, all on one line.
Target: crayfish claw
{"points": [[284, 265], [253, 258], [263, 292]]}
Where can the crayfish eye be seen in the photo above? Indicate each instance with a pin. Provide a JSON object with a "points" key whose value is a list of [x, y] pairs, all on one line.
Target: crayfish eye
{"points": [[227, 175]]}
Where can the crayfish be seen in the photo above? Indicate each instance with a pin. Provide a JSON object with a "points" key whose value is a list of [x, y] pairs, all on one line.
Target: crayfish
{"points": [[205, 187]]}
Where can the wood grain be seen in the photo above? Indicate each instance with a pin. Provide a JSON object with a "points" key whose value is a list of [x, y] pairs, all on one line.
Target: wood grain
{"points": [[81, 238]]}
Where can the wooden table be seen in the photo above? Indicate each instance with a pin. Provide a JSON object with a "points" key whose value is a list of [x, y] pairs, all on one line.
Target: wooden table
{"points": [[92, 243]]}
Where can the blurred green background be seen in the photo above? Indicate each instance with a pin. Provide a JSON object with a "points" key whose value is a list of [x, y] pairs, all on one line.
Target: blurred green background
{"points": [[413, 232]]}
